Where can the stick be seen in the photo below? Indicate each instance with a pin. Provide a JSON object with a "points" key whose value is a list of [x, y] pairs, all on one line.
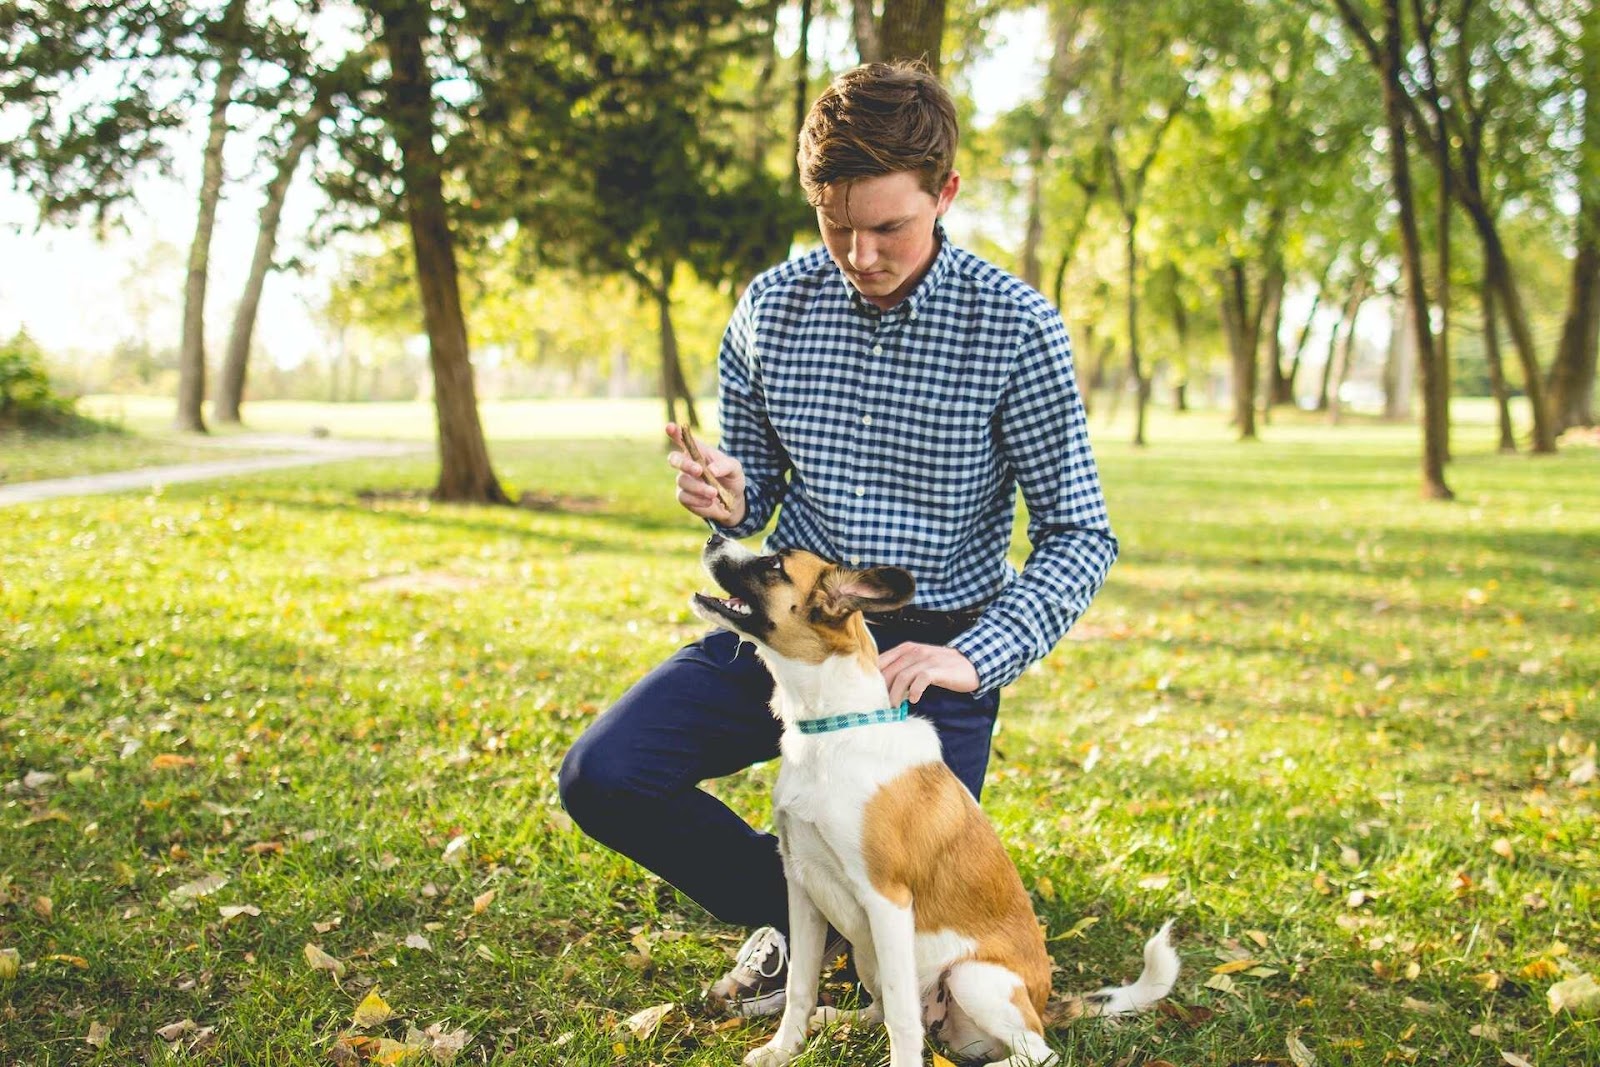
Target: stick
{"points": [[693, 448]]}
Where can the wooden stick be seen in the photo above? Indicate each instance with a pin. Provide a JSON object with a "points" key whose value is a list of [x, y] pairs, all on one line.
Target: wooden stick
{"points": [[693, 448]]}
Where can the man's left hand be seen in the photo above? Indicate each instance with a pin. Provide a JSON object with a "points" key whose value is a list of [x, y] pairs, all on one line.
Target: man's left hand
{"points": [[911, 668]]}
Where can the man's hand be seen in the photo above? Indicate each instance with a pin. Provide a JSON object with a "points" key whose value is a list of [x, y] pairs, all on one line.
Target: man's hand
{"points": [[911, 668], [694, 493]]}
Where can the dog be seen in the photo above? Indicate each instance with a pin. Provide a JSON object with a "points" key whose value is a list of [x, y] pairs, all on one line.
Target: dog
{"points": [[879, 837]]}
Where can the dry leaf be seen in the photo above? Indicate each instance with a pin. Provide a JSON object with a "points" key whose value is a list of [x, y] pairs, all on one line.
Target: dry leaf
{"points": [[1357, 898], [1320, 883], [171, 761], [1577, 996], [1155, 881], [99, 1034], [417, 941], [173, 1031], [940, 1061], [71, 961], [445, 1043], [372, 1011], [1423, 1006], [642, 1025], [1221, 983], [321, 961], [1501, 847], [1298, 1053], [1486, 1031], [1258, 937], [200, 887], [1540, 969], [1583, 773], [456, 850], [10, 963], [1513, 1059], [233, 911], [1235, 966], [1349, 857], [481, 902]]}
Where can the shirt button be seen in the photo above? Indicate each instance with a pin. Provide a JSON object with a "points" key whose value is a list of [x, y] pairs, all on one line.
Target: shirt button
{"points": [[861, 490], [855, 561], [877, 350], [866, 420]]}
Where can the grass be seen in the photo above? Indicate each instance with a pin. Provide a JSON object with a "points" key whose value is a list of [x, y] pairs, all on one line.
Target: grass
{"points": [[1326, 726]]}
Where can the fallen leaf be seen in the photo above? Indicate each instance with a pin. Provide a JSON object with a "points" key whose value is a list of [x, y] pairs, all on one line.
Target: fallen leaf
{"points": [[171, 761], [71, 961], [481, 902], [642, 1025], [1187, 1014], [321, 961], [1513, 1059], [233, 911], [1235, 966], [1320, 883], [10, 963], [44, 907], [1298, 1053], [1263, 972], [200, 887], [417, 941], [1221, 983], [1486, 1031], [456, 850], [37, 779], [1488, 981], [1501, 847], [98, 1035], [1577, 996], [1583, 773], [446, 1043], [1258, 937], [261, 848], [940, 1061], [372, 1011], [1541, 968], [1077, 928], [1349, 857], [173, 1031], [1423, 1006], [1357, 898], [1155, 881]]}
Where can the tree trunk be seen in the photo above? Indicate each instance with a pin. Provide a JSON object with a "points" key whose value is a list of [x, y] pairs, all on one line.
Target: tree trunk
{"points": [[1235, 326], [869, 46], [912, 29], [192, 352], [1572, 374], [230, 385], [1287, 380], [1057, 83], [1509, 301], [1272, 325], [465, 473], [1433, 455], [1497, 374], [1341, 350], [673, 385], [802, 84], [1135, 366], [1327, 365]]}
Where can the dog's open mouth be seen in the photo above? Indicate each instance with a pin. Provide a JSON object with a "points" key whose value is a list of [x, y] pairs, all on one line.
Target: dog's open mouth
{"points": [[729, 606]]}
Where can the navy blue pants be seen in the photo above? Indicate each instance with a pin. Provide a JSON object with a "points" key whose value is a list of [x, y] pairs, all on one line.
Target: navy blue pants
{"points": [[631, 781]]}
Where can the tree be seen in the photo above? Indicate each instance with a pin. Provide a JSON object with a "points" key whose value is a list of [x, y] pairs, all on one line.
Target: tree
{"points": [[1572, 374]]}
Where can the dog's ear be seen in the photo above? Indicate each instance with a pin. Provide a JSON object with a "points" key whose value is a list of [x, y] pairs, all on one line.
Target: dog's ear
{"points": [[872, 590]]}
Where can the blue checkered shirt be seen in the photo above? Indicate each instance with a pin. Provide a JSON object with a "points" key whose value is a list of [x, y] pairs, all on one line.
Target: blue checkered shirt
{"points": [[900, 437]]}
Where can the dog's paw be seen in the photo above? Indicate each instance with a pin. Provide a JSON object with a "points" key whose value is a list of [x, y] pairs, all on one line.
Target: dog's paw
{"points": [[771, 1054], [871, 1015]]}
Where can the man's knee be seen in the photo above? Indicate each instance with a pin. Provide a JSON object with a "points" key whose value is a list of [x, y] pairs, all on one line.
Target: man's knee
{"points": [[592, 785]]}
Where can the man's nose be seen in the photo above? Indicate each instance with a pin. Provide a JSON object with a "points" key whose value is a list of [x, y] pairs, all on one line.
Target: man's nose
{"points": [[863, 251]]}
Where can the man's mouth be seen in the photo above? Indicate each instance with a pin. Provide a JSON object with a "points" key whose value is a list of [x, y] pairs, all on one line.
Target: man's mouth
{"points": [[732, 605]]}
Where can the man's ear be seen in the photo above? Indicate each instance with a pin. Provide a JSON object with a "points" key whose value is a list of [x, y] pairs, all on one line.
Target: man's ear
{"points": [[872, 590]]}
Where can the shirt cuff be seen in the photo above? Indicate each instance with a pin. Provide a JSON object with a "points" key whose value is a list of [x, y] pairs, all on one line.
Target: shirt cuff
{"points": [[996, 656]]}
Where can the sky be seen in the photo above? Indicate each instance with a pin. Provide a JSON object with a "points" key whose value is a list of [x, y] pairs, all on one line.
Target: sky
{"points": [[76, 292]]}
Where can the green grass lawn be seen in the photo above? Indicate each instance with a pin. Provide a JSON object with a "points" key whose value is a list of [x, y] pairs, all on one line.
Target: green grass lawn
{"points": [[1338, 733]]}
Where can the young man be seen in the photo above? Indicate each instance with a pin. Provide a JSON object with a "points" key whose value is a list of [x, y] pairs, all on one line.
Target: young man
{"points": [[886, 395]]}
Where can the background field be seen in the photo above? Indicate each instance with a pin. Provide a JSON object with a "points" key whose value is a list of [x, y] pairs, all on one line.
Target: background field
{"points": [[1339, 734]]}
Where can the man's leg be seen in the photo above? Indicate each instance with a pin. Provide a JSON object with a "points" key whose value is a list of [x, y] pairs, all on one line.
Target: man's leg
{"points": [[630, 781]]}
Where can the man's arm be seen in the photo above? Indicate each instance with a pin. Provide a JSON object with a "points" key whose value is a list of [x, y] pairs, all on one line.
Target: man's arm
{"points": [[1043, 435], [747, 433]]}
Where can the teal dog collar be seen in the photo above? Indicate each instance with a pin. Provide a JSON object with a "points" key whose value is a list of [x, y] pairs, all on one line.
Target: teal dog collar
{"points": [[855, 718]]}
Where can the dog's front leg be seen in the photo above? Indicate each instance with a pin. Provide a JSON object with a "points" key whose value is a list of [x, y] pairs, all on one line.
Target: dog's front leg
{"points": [[894, 942], [808, 934]]}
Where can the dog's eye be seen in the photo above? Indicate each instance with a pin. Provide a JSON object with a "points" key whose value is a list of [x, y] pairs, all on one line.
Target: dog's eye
{"points": [[776, 563]]}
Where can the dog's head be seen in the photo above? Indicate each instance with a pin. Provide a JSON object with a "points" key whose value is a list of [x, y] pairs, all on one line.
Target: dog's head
{"points": [[796, 604]]}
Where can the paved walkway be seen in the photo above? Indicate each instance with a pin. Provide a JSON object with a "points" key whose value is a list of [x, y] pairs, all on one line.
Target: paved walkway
{"points": [[287, 451]]}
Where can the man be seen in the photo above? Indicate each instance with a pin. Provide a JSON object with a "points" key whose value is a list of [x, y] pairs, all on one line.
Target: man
{"points": [[886, 395]]}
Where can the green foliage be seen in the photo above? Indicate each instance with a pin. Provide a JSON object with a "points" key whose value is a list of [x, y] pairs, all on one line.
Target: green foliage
{"points": [[26, 397]]}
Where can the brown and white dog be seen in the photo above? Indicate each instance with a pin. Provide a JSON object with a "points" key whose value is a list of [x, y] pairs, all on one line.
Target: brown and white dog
{"points": [[882, 840]]}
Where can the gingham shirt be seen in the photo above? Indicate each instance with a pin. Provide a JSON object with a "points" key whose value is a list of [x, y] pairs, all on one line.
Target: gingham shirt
{"points": [[900, 437]]}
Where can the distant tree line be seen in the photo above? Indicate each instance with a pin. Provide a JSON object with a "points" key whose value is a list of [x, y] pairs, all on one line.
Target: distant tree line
{"points": [[1185, 178]]}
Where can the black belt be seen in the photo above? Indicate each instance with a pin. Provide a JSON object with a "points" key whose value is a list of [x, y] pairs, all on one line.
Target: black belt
{"points": [[954, 621]]}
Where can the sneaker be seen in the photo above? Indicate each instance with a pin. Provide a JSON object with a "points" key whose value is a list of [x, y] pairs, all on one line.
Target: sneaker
{"points": [[760, 976]]}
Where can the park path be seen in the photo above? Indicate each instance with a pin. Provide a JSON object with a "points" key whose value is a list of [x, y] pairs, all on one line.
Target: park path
{"points": [[285, 450]]}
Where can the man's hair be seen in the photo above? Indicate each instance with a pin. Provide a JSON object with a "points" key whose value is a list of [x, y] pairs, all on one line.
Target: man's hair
{"points": [[880, 118]]}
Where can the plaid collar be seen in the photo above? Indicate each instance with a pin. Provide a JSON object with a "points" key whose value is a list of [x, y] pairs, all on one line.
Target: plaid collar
{"points": [[855, 718]]}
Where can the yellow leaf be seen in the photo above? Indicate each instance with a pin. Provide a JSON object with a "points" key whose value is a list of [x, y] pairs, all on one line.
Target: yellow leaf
{"points": [[99, 1034], [72, 961], [10, 963], [940, 1061], [1045, 888], [1077, 928], [1258, 937], [171, 761], [1234, 966], [1299, 1055], [372, 1011], [1541, 968], [321, 961], [481, 902], [1502, 847], [642, 1025]]}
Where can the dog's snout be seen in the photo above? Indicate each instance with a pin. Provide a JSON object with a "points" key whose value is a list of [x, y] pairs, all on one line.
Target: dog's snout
{"points": [[715, 541]]}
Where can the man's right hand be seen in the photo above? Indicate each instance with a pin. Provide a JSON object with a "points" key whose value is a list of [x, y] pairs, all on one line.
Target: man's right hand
{"points": [[694, 493]]}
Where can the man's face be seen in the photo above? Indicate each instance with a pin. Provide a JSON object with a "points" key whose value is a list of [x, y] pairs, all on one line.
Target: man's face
{"points": [[879, 231]]}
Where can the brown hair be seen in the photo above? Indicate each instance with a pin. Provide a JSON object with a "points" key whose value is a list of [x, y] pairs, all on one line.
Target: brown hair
{"points": [[880, 118]]}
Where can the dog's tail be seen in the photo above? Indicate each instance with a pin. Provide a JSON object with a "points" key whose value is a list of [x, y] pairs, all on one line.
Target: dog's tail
{"points": [[1154, 982]]}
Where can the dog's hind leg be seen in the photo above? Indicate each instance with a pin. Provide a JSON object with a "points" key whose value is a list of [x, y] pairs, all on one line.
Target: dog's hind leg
{"points": [[996, 1015]]}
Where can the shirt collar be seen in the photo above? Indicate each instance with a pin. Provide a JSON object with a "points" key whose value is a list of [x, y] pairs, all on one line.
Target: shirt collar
{"points": [[938, 270]]}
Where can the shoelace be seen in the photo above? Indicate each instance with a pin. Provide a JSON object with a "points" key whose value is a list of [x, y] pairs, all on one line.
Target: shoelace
{"points": [[764, 941]]}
